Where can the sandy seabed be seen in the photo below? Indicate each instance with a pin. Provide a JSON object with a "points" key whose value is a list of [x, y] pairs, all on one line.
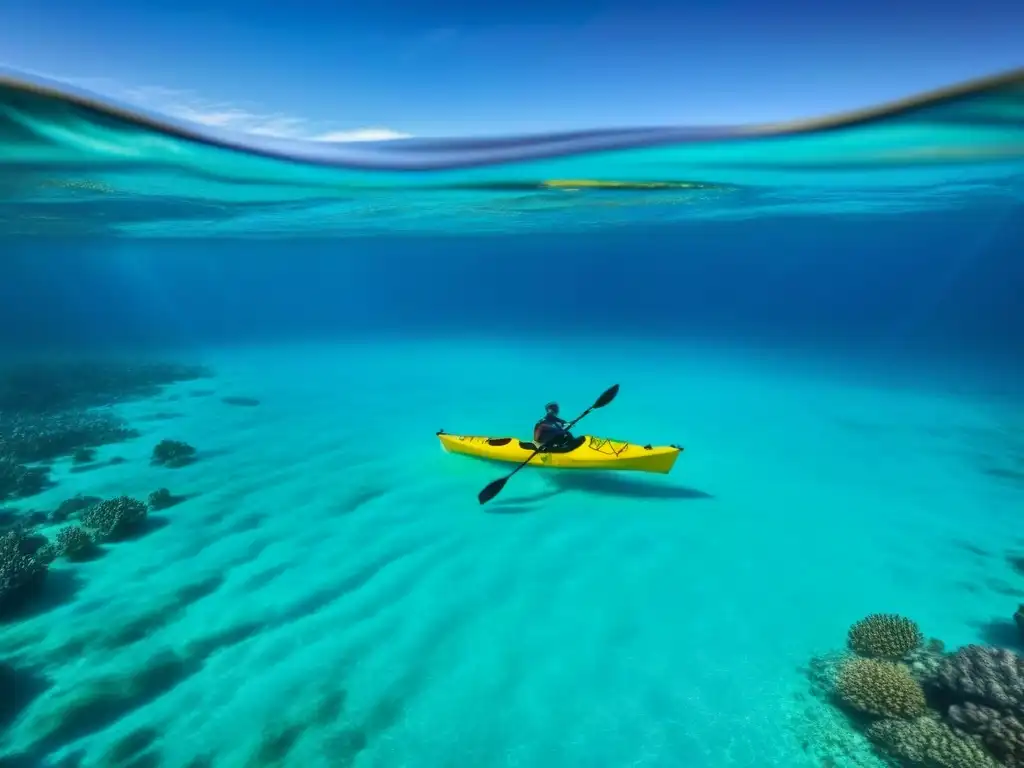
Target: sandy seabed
{"points": [[330, 593]]}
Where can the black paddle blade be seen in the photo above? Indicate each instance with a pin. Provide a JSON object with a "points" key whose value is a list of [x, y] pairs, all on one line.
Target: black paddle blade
{"points": [[492, 490], [608, 395]]}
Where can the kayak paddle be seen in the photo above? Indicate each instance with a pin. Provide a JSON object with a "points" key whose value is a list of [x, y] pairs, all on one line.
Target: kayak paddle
{"points": [[493, 489]]}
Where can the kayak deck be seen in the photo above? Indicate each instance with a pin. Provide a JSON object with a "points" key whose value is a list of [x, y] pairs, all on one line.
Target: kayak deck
{"points": [[591, 452]]}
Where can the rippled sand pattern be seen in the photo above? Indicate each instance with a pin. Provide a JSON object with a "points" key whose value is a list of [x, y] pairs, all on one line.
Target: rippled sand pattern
{"points": [[330, 593]]}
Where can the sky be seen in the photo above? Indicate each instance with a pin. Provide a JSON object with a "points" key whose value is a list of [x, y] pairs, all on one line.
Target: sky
{"points": [[345, 70]]}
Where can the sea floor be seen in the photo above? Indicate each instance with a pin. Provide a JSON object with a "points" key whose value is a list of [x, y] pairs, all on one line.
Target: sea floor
{"points": [[330, 593]]}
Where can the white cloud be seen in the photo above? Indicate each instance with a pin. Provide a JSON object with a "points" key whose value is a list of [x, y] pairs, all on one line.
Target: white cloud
{"points": [[192, 107], [363, 134]]}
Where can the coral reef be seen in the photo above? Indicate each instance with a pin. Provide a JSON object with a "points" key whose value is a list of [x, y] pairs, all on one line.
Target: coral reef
{"points": [[924, 662], [29, 541], [74, 543], [54, 410], [29, 437], [1001, 732], [20, 573], [881, 688], [18, 481], [822, 672], [47, 554], [173, 453], [71, 507], [115, 519], [50, 410], [70, 385], [926, 708], [977, 673], [928, 742], [981, 692], [884, 636]]}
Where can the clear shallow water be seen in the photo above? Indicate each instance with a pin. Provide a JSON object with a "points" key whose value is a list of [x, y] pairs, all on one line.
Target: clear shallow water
{"points": [[357, 594], [828, 321]]}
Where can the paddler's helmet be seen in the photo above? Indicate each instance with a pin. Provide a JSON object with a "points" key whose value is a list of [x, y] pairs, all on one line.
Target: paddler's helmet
{"points": [[552, 407]]}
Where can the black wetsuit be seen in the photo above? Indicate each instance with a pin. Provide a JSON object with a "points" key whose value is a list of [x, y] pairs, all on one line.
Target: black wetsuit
{"points": [[550, 432]]}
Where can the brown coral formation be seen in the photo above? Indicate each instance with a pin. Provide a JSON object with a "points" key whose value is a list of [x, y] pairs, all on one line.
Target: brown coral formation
{"points": [[981, 690], [74, 543], [884, 636], [52, 410], [115, 519], [173, 454], [993, 676], [1001, 732], [923, 707], [21, 572], [927, 741], [924, 662], [881, 688]]}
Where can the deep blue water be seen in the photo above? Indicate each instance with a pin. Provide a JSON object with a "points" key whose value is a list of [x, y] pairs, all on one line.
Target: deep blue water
{"points": [[946, 284]]}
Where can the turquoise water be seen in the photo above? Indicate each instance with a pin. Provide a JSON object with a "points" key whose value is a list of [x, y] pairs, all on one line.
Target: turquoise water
{"points": [[79, 165], [359, 592], [839, 356]]}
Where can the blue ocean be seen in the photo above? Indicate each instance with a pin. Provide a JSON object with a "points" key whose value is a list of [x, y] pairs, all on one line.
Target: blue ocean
{"points": [[235, 370]]}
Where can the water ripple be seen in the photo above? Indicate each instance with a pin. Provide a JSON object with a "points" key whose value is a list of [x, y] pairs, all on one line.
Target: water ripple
{"points": [[73, 162], [28, 100]]}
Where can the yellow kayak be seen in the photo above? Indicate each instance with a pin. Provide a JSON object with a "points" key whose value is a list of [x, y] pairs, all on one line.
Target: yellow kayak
{"points": [[590, 453]]}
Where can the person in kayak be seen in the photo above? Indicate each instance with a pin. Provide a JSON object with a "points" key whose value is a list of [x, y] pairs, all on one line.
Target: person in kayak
{"points": [[550, 431]]}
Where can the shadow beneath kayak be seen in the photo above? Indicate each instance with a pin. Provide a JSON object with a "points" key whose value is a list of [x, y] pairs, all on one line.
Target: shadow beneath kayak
{"points": [[623, 487], [598, 483], [509, 508], [517, 505]]}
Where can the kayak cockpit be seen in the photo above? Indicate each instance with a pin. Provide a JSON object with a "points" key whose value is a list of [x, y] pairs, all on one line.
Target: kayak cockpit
{"points": [[584, 452], [526, 445]]}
